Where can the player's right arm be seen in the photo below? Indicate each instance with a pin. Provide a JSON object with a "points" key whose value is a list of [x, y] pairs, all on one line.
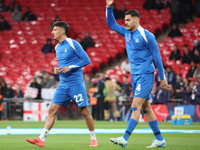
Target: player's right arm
{"points": [[153, 48], [111, 19]]}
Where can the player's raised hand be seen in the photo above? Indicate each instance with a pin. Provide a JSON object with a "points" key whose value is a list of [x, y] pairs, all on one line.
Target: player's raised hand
{"points": [[56, 70], [164, 85], [109, 2], [64, 69]]}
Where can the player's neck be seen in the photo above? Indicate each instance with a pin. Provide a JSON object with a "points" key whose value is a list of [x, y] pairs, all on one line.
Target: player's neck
{"points": [[135, 28], [63, 38]]}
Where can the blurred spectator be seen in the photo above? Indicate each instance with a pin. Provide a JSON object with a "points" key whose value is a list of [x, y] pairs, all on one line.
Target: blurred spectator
{"points": [[28, 16], [197, 7], [167, 3], [186, 10], [56, 76], [18, 91], [16, 15], [122, 12], [115, 11], [170, 76], [57, 18], [175, 55], [34, 84], [48, 81], [2, 85], [47, 48], [71, 33], [159, 5], [126, 87], [44, 73], [194, 92], [93, 100], [117, 81], [149, 4], [8, 92], [185, 83], [187, 93], [1, 105], [197, 71], [178, 87], [197, 91], [191, 70], [125, 65], [111, 88], [100, 95], [78, 39], [175, 11], [174, 31], [196, 56], [87, 41], [38, 77], [4, 25], [88, 83], [196, 45], [187, 56], [2, 6], [160, 96], [13, 4], [55, 86]]}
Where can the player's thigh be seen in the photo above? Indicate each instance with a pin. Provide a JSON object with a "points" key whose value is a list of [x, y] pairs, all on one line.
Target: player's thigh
{"points": [[54, 109], [144, 85], [137, 103], [77, 94], [61, 97], [146, 105]]}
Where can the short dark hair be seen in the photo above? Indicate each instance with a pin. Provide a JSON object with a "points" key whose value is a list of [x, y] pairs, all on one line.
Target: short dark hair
{"points": [[62, 24], [133, 13], [185, 45], [126, 76]]}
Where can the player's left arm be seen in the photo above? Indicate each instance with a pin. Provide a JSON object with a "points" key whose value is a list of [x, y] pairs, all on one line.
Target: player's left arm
{"points": [[153, 48], [84, 59]]}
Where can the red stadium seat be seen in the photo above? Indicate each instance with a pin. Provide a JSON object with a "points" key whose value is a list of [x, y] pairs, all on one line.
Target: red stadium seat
{"points": [[185, 67]]}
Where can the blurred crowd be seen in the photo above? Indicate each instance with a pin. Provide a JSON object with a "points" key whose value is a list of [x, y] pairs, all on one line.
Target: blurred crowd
{"points": [[180, 9]]}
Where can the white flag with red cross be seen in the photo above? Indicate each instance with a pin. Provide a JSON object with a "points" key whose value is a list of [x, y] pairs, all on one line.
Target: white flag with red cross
{"points": [[36, 111]]}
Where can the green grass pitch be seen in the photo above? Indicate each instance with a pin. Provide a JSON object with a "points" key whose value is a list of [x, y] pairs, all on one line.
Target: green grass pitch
{"points": [[81, 142]]}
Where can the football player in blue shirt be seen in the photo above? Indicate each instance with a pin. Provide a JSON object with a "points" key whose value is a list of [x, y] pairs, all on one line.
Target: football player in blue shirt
{"points": [[71, 58], [141, 47]]}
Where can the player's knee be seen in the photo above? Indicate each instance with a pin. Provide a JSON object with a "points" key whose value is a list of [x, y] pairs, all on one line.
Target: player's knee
{"points": [[85, 112], [145, 109], [52, 112]]}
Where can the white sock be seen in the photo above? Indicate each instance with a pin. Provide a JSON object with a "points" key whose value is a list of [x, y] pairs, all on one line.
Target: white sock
{"points": [[93, 135], [43, 135]]}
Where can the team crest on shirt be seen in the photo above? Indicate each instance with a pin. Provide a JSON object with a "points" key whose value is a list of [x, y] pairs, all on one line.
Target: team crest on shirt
{"points": [[65, 50], [128, 39], [137, 40]]}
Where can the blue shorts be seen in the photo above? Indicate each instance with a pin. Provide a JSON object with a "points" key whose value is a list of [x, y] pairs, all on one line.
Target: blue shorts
{"points": [[65, 94], [142, 85]]}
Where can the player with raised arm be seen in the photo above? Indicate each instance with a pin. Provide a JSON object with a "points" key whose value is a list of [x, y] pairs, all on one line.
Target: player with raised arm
{"points": [[71, 58], [141, 47]]}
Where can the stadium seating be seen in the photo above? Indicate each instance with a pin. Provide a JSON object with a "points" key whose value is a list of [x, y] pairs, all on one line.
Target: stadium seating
{"points": [[22, 45]]}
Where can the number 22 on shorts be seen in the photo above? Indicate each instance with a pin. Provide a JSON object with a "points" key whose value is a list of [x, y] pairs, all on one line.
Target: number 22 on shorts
{"points": [[78, 98]]}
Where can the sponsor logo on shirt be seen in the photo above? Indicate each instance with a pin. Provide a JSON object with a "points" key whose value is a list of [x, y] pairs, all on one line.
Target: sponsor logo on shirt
{"points": [[65, 50], [137, 40]]}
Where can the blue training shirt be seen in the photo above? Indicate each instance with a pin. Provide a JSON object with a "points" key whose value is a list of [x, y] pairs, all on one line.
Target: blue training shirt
{"points": [[70, 53], [141, 47]]}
